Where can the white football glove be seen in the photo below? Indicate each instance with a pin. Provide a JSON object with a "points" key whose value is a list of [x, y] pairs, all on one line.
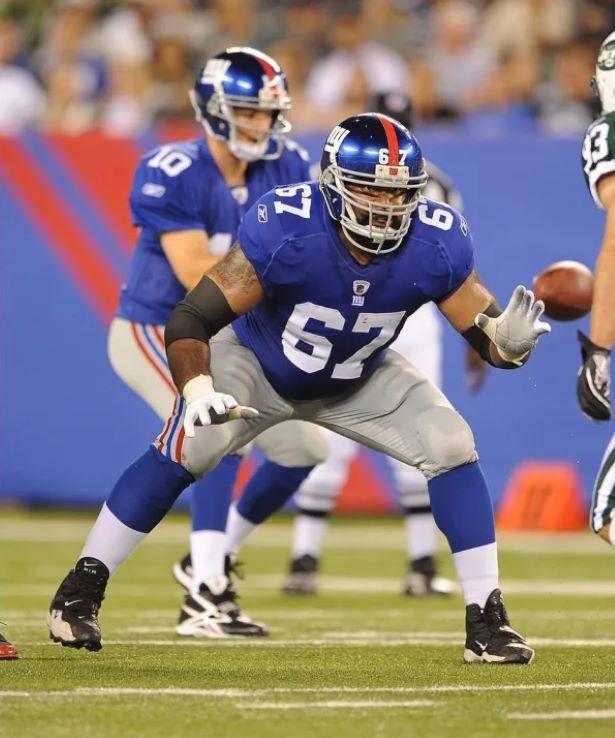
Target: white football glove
{"points": [[206, 406], [517, 330]]}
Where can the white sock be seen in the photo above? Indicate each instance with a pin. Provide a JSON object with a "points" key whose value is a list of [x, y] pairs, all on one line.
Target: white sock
{"points": [[238, 529], [207, 549], [422, 535], [308, 535], [110, 541], [477, 569]]}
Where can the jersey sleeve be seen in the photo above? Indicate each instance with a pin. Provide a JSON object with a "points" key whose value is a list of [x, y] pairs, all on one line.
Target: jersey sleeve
{"points": [[598, 153], [299, 168], [456, 249], [165, 193], [261, 237]]}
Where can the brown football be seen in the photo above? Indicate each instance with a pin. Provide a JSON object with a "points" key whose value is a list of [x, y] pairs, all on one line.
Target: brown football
{"points": [[567, 290]]}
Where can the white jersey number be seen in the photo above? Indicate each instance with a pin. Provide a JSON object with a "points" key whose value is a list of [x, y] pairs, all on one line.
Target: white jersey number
{"points": [[302, 210], [171, 162], [440, 218], [316, 360], [596, 146]]}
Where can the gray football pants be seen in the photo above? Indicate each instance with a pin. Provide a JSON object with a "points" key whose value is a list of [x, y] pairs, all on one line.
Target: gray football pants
{"points": [[137, 355], [396, 411]]}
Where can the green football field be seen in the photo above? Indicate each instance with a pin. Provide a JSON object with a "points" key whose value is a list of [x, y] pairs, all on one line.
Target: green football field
{"points": [[357, 660]]}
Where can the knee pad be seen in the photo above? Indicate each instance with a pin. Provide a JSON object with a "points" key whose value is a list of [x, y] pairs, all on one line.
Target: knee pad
{"points": [[202, 453], [295, 443], [446, 439]]}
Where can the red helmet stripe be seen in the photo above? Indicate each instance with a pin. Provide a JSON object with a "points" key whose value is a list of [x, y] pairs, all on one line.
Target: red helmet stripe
{"points": [[392, 143], [267, 68]]}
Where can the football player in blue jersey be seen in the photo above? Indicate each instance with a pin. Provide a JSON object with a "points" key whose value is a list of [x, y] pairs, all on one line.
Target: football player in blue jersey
{"points": [[188, 199], [295, 322]]}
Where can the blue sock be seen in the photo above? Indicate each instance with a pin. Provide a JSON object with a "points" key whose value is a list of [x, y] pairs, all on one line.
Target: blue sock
{"points": [[211, 495], [146, 491], [270, 487], [462, 507]]}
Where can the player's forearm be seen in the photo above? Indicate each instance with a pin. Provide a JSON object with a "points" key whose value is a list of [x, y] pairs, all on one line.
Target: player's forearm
{"points": [[188, 358], [197, 318], [603, 308], [191, 276]]}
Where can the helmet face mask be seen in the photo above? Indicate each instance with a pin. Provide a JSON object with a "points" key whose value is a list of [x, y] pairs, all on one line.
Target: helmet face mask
{"points": [[604, 81], [355, 168], [243, 78]]}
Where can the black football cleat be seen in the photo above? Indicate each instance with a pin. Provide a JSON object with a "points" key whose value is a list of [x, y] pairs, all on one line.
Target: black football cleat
{"points": [[489, 637], [73, 613], [214, 613], [8, 652], [423, 580], [302, 578], [182, 572]]}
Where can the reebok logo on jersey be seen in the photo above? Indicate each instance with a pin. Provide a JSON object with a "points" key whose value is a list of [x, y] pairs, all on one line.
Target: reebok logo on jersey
{"points": [[153, 190], [263, 216], [359, 287]]}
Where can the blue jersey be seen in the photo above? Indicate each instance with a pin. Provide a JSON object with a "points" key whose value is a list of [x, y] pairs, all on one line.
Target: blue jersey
{"points": [[326, 320], [178, 187]]}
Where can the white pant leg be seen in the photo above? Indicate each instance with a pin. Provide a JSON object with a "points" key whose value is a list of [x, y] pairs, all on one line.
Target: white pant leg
{"points": [[320, 490], [137, 355]]}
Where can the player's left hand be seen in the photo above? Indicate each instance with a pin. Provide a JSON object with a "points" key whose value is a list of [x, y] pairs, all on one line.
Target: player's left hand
{"points": [[594, 380], [516, 331]]}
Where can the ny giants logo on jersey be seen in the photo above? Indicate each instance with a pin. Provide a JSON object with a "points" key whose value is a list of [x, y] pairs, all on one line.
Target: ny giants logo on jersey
{"points": [[337, 135], [359, 287]]}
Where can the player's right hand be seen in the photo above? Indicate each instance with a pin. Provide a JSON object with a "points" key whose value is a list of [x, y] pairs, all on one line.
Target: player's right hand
{"points": [[594, 380], [205, 406]]}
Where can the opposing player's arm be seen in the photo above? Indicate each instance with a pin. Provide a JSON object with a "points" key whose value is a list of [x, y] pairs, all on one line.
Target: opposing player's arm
{"points": [[594, 378], [506, 338], [228, 290], [603, 309], [188, 254]]}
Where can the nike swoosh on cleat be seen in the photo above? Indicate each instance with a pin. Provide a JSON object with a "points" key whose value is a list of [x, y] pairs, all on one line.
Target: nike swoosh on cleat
{"points": [[482, 646], [71, 602]]}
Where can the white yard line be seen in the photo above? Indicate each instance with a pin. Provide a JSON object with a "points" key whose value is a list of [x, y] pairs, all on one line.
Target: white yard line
{"points": [[23, 617], [333, 704], [564, 715], [386, 536], [242, 692], [443, 641], [532, 587]]}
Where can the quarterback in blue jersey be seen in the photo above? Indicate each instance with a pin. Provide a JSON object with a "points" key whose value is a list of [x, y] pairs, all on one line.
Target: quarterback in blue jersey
{"points": [[295, 323], [188, 199]]}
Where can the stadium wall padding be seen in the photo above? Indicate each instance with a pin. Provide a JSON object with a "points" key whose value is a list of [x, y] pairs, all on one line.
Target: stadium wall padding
{"points": [[69, 426]]}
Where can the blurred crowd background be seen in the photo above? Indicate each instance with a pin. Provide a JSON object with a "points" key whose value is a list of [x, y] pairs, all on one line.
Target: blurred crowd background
{"points": [[71, 65]]}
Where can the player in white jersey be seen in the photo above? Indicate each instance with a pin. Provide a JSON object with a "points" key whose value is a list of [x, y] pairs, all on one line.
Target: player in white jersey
{"points": [[420, 342], [593, 383]]}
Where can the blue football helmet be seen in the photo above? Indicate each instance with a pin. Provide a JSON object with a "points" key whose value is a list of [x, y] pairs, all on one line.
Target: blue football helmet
{"points": [[241, 77], [362, 154]]}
